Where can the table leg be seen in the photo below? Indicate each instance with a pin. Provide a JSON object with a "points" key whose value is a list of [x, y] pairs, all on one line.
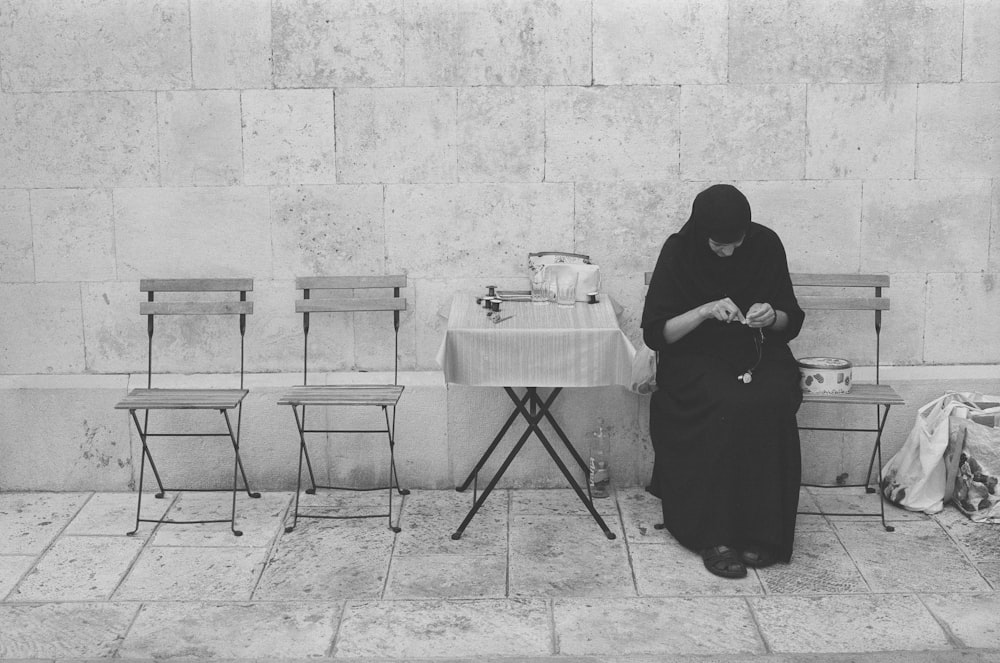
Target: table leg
{"points": [[496, 441]]}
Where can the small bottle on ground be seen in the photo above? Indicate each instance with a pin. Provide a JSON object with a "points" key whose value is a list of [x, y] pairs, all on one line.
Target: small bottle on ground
{"points": [[600, 470]]}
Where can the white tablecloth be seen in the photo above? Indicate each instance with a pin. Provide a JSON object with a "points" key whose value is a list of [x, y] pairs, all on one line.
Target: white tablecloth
{"points": [[540, 346]]}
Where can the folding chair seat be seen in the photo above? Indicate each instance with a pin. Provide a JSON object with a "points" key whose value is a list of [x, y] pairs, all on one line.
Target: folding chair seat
{"points": [[222, 400], [352, 294]]}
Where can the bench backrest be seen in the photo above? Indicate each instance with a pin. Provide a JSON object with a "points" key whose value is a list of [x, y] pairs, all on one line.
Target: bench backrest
{"points": [[152, 308], [351, 297]]}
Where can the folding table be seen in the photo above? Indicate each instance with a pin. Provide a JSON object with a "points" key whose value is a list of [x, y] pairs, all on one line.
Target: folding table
{"points": [[536, 346]]}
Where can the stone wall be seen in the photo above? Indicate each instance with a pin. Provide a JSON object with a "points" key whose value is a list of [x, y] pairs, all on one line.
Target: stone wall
{"points": [[447, 139]]}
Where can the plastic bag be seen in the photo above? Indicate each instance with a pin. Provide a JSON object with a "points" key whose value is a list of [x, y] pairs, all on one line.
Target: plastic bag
{"points": [[976, 486], [643, 370], [916, 477]]}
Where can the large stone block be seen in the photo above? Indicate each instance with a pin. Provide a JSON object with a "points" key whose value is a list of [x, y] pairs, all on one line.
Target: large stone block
{"points": [[995, 229], [192, 232], [963, 316], [80, 45], [16, 257], [981, 48], [774, 41], [231, 43], [861, 131], [201, 139], [288, 137], [611, 133], [337, 44], [74, 234], [644, 42], [622, 225], [925, 226], [41, 330], [755, 132], [958, 130], [498, 42], [396, 135], [501, 134], [819, 222], [475, 230], [114, 333], [63, 433], [78, 139]]}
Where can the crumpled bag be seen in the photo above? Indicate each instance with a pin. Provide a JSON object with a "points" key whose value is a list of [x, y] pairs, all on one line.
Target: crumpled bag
{"points": [[975, 465], [916, 477], [643, 370]]}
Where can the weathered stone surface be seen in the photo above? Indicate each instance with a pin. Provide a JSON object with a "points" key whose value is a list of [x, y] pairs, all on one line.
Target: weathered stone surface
{"points": [[193, 574], [981, 49], [972, 619], [95, 139], [327, 230], [958, 130], [966, 316], [114, 333], [861, 131], [79, 568], [64, 630], [192, 232], [113, 514], [396, 135], [337, 44], [850, 623], [259, 519], [499, 42], [200, 138], [925, 225], [820, 565], [288, 137], [421, 629], [16, 257], [622, 225], [995, 229], [501, 134], [755, 132], [11, 571], [32, 520], [774, 42], [72, 418], [237, 631], [79, 45], [669, 569], [231, 43], [474, 230], [819, 222], [644, 42], [74, 235], [41, 328], [611, 133], [447, 576], [655, 626]]}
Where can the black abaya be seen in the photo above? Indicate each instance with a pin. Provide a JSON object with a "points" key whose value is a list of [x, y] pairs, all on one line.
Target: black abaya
{"points": [[727, 465]]}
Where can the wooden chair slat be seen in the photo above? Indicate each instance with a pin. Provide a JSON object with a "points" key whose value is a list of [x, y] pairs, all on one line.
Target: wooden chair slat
{"points": [[860, 394], [348, 304], [195, 308], [195, 285], [350, 282], [342, 395], [841, 280], [182, 399], [817, 302]]}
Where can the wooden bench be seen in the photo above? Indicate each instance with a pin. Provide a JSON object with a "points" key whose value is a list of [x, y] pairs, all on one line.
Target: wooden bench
{"points": [[845, 292]]}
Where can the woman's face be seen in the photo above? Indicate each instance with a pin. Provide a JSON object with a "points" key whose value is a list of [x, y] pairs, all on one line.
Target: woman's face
{"points": [[724, 250]]}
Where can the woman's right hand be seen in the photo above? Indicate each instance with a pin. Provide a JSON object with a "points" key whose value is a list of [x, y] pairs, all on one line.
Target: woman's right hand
{"points": [[723, 309]]}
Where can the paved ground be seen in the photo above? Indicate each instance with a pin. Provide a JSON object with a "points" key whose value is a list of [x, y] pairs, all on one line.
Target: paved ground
{"points": [[533, 578]]}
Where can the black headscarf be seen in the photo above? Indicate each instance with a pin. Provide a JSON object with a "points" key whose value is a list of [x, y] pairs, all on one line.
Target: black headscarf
{"points": [[688, 274]]}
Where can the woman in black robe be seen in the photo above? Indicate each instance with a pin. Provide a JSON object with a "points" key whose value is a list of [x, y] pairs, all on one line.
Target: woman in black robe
{"points": [[720, 311]]}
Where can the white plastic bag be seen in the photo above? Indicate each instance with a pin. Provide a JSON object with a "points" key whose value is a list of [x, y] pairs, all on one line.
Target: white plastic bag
{"points": [[916, 478], [643, 370]]}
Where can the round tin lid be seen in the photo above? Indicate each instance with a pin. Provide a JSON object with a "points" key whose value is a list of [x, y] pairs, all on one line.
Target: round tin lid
{"points": [[831, 363]]}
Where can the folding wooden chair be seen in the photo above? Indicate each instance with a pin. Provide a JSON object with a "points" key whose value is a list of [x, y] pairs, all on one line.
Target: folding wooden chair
{"points": [[383, 396], [223, 400]]}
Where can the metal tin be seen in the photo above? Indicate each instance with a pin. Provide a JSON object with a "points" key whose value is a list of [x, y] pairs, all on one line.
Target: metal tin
{"points": [[825, 375]]}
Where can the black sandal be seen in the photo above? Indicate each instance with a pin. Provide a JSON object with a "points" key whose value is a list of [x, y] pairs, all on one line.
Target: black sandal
{"points": [[757, 557], [723, 562]]}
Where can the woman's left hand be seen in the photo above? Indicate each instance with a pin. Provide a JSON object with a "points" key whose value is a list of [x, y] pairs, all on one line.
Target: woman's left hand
{"points": [[761, 315]]}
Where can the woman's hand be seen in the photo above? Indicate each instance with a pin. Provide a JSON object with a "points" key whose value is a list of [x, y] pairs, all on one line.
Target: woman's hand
{"points": [[723, 309], [761, 315]]}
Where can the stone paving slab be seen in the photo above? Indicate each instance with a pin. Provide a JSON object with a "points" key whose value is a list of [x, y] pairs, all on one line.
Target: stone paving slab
{"points": [[193, 574], [63, 630], [32, 520], [447, 576], [79, 568], [672, 570]]}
